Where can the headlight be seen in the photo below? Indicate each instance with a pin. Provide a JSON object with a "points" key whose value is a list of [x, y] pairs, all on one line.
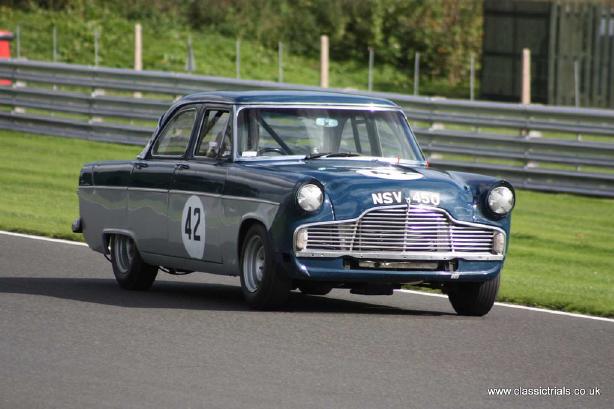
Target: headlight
{"points": [[310, 197], [500, 200]]}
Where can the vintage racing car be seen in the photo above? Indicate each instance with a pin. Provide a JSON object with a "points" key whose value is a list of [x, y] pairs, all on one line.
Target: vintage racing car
{"points": [[296, 190]]}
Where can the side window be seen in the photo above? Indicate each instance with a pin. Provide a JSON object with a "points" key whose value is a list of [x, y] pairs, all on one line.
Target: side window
{"points": [[212, 134], [176, 135]]}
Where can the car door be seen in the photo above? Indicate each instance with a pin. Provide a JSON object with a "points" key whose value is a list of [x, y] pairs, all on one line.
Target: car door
{"points": [[195, 206], [151, 180]]}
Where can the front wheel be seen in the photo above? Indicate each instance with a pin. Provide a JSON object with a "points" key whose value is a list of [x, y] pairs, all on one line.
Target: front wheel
{"points": [[474, 299], [261, 284], [131, 272]]}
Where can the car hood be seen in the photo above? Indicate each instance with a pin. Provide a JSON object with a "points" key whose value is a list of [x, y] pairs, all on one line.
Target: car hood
{"points": [[354, 186]]}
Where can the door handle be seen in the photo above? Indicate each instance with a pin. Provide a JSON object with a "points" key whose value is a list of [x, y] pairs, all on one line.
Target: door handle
{"points": [[141, 165], [182, 166]]}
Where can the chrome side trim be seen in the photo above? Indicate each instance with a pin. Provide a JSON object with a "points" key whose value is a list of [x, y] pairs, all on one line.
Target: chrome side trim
{"points": [[135, 189], [193, 192], [226, 197], [147, 189], [183, 192], [250, 199]]}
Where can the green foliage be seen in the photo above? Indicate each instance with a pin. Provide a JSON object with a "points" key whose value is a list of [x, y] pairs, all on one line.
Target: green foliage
{"points": [[556, 255], [446, 32], [164, 48]]}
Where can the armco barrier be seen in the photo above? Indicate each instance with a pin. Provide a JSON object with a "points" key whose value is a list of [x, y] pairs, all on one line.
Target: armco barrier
{"points": [[577, 156]]}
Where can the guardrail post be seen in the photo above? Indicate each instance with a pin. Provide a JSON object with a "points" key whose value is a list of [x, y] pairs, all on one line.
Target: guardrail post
{"points": [[18, 41], [576, 82], [96, 47], [280, 62], [190, 64], [138, 52], [526, 77], [138, 47], [471, 76], [238, 58], [370, 79], [96, 91], [525, 87], [324, 61], [55, 49], [417, 73], [55, 43], [576, 87]]}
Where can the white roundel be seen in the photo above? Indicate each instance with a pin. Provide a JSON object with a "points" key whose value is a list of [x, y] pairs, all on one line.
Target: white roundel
{"points": [[389, 173], [193, 227]]}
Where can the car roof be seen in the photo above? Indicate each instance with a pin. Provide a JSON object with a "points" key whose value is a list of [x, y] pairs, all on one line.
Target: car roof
{"points": [[285, 97]]}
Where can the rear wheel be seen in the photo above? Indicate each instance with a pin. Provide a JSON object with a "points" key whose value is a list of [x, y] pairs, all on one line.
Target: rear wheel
{"points": [[474, 299], [131, 272], [262, 285]]}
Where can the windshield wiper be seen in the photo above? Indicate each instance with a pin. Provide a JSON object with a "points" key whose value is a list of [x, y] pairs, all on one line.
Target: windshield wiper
{"points": [[331, 155]]}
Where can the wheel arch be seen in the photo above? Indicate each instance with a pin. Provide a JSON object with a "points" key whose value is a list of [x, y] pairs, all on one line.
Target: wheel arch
{"points": [[246, 224], [107, 233]]}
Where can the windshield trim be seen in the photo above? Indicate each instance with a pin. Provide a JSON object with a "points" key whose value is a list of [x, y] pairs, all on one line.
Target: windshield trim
{"points": [[357, 107]]}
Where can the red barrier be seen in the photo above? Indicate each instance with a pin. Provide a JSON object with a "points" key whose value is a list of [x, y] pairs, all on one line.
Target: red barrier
{"points": [[5, 50]]}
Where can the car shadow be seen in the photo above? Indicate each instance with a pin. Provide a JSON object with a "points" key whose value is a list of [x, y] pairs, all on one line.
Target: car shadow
{"points": [[185, 295]]}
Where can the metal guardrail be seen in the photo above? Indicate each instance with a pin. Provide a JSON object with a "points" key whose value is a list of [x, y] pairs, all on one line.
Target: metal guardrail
{"points": [[442, 141], [484, 144]]}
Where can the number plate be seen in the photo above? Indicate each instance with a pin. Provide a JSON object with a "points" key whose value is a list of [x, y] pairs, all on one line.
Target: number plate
{"points": [[424, 197]]}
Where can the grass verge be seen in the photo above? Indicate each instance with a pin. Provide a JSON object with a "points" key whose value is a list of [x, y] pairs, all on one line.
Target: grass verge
{"points": [[559, 253]]}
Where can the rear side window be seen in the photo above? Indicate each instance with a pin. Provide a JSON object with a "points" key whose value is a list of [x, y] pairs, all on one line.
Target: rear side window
{"points": [[176, 135], [212, 137]]}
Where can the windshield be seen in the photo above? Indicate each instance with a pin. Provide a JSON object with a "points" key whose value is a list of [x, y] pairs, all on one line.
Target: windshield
{"points": [[325, 132]]}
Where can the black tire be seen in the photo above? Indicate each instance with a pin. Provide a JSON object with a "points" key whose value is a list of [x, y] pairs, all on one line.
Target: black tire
{"points": [[263, 286], [474, 299], [131, 272], [311, 288]]}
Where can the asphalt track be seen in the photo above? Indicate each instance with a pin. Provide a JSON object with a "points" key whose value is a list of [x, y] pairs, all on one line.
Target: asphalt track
{"points": [[70, 338]]}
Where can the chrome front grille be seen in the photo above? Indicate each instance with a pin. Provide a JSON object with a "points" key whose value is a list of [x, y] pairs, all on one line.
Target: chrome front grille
{"points": [[401, 232]]}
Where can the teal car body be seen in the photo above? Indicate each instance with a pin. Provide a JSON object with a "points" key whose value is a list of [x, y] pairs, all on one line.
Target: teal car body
{"points": [[384, 219]]}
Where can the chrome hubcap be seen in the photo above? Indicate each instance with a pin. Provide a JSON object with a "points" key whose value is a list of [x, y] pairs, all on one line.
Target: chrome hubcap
{"points": [[253, 263], [124, 253]]}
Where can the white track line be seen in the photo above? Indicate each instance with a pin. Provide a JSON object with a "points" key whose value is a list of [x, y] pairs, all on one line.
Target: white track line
{"points": [[41, 238], [517, 306], [403, 291]]}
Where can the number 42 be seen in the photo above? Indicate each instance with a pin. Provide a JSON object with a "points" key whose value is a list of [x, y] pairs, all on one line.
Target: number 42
{"points": [[188, 223]]}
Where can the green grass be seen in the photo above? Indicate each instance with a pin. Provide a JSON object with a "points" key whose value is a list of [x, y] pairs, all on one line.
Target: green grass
{"points": [[165, 48], [560, 252], [39, 177]]}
